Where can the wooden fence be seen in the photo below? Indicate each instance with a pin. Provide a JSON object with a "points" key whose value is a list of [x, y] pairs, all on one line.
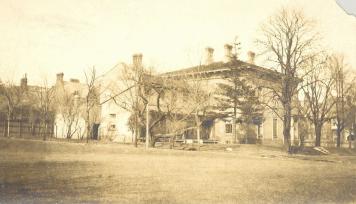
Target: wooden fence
{"points": [[22, 128]]}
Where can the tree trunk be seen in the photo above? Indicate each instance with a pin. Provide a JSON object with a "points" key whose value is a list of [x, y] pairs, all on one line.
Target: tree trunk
{"points": [[338, 136], [8, 126], [39, 129], [287, 125], [88, 125], [4, 132], [136, 129], [234, 124], [234, 129], [69, 131], [172, 142], [317, 128], [45, 131], [301, 139], [198, 136], [88, 132], [137, 135], [152, 140], [32, 129]]}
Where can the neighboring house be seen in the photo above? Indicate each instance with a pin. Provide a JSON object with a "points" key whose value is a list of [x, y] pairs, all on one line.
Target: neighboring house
{"points": [[70, 120], [28, 117], [116, 101], [53, 111]]}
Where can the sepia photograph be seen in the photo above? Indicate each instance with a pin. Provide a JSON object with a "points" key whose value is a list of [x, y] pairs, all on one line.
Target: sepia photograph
{"points": [[177, 101]]}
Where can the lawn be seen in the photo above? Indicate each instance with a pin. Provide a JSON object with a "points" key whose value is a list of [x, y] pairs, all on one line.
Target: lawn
{"points": [[60, 172]]}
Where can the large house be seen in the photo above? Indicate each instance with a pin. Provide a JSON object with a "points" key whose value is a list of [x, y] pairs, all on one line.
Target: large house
{"points": [[116, 113], [214, 72]]}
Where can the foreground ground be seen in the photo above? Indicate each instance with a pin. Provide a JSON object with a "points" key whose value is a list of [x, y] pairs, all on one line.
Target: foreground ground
{"points": [[58, 172]]}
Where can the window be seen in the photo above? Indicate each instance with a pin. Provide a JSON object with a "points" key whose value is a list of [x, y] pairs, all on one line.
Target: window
{"points": [[228, 128], [112, 115], [112, 127], [274, 128], [124, 105]]}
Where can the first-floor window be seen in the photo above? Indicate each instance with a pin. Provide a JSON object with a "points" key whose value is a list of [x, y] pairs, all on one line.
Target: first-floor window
{"points": [[112, 127], [228, 128]]}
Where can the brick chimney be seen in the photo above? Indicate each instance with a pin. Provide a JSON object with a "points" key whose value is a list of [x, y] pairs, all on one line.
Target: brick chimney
{"points": [[251, 57], [228, 53], [60, 77], [209, 55], [137, 60]]}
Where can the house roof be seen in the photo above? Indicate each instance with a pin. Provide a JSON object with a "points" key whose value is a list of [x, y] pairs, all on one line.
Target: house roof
{"points": [[221, 67]]}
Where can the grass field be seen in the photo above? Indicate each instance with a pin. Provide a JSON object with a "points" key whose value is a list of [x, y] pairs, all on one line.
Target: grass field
{"points": [[59, 172]]}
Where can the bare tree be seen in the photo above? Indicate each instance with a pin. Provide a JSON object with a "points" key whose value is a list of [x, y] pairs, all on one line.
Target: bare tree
{"points": [[317, 90], [342, 86], [91, 100], [197, 103], [288, 39], [13, 95], [177, 120], [167, 105], [133, 98], [350, 113], [155, 90], [45, 99], [130, 93], [144, 90], [69, 107]]}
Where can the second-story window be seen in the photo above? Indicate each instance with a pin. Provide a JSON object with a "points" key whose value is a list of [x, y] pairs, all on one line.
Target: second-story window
{"points": [[228, 128]]}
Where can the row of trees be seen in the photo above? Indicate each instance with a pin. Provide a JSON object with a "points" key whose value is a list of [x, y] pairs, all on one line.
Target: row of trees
{"points": [[292, 44], [328, 96]]}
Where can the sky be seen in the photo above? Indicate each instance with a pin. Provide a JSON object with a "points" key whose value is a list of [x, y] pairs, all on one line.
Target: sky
{"points": [[41, 38]]}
